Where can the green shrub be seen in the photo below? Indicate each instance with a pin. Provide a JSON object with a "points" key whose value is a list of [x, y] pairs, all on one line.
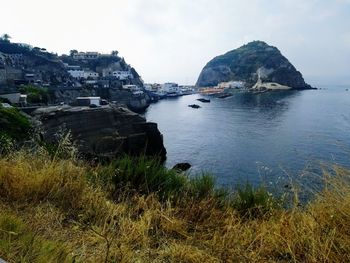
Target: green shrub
{"points": [[146, 176], [254, 202], [14, 124], [4, 100], [202, 186], [35, 94], [6, 143]]}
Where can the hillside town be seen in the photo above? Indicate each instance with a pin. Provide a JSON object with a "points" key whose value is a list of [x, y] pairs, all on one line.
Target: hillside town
{"points": [[25, 70]]}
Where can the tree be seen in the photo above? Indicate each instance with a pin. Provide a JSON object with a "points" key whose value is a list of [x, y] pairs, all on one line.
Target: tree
{"points": [[36, 95], [72, 52], [115, 53], [6, 37]]}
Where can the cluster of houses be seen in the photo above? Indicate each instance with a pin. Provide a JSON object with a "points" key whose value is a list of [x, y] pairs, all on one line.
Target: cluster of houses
{"points": [[77, 73], [86, 74], [160, 91], [106, 77], [91, 55], [169, 89], [15, 58], [223, 87]]}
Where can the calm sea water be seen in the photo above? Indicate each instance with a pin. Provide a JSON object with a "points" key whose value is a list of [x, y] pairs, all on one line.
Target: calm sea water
{"points": [[270, 137]]}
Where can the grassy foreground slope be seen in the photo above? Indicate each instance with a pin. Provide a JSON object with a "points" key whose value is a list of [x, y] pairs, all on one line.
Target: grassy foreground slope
{"points": [[134, 210]]}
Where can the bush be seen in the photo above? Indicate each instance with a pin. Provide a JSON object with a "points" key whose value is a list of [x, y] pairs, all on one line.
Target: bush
{"points": [[4, 100], [254, 202], [36, 95], [14, 124], [146, 176], [202, 186], [6, 143]]}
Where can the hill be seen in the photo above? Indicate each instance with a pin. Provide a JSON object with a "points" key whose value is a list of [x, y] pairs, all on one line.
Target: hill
{"points": [[19, 60], [70, 76], [249, 62]]}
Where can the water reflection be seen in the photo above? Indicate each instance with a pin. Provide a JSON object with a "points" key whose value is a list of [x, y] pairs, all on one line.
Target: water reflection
{"points": [[270, 104], [266, 137]]}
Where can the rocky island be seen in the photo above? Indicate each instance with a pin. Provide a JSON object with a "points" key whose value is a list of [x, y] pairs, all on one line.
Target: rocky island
{"points": [[253, 64]]}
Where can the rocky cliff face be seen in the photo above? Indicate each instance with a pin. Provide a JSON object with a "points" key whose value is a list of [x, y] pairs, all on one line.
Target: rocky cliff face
{"points": [[105, 132], [249, 62], [21, 59]]}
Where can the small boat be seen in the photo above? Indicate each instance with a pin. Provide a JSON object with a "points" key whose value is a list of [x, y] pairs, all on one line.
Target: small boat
{"points": [[203, 100], [225, 95], [194, 106]]}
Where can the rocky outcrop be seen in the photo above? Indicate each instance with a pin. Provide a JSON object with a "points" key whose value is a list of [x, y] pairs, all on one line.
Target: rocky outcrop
{"points": [[266, 86], [182, 167], [107, 131], [248, 63]]}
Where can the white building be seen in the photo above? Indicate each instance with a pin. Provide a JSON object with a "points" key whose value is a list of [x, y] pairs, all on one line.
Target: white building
{"points": [[82, 74], [186, 90], [118, 74], [72, 67], [87, 101], [134, 89], [15, 98], [172, 89], [122, 75], [86, 55], [231, 85], [150, 87], [155, 89], [90, 74], [76, 73]]}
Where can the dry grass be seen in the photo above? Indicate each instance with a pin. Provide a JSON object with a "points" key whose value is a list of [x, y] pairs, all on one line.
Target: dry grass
{"points": [[53, 211]]}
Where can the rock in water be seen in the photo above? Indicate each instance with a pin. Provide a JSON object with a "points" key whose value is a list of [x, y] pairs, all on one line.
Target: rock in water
{"points": [[105, 131], [249, 62], [182, 167]]}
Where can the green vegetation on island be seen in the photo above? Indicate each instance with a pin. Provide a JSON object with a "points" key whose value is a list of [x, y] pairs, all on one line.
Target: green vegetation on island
{"points": [[248, 63]]}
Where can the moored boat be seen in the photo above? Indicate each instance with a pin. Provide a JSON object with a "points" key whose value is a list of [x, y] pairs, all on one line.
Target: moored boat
{"points": [[225, 95], [204, 100], [194, 106]]}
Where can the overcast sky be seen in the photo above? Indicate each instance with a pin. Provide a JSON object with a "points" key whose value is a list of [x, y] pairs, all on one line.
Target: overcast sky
{"points": [[172, 40]]}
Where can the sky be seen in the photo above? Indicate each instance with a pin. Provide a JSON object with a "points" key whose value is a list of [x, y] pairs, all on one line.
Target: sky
{"points": [[172, 40]]}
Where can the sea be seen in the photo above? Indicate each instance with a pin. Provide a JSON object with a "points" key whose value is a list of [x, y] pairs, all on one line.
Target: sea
{"points": [[277, 139]]}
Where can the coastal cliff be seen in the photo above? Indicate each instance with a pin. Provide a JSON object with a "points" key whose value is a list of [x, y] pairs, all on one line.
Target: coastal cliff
{"points": [[108, 131], [249, 63]]}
